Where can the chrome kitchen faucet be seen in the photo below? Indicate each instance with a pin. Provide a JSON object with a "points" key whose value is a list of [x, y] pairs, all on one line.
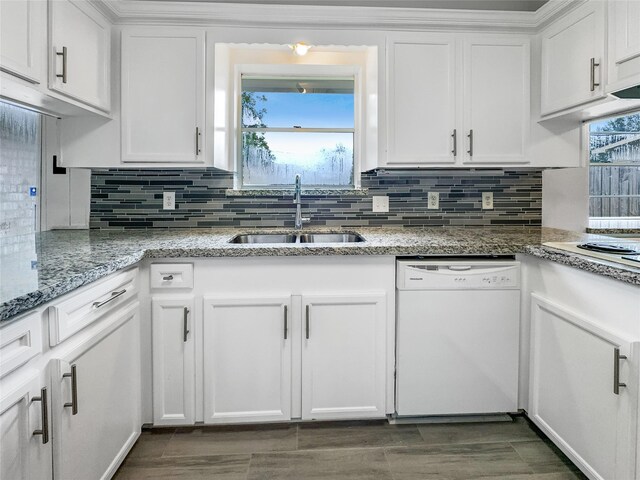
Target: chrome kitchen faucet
{"points": [[297, 196]]}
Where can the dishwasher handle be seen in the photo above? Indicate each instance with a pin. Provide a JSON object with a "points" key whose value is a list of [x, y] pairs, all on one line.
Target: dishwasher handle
{"points": [[460, 268]]}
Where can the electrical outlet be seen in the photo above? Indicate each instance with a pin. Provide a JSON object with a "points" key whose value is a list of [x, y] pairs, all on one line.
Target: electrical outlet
{"points": [[487, 200], [433, 200], [380, 204], [168, 200]]}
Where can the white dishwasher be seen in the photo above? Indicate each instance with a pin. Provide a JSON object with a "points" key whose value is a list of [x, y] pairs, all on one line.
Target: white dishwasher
{"points": [[458, 336]]}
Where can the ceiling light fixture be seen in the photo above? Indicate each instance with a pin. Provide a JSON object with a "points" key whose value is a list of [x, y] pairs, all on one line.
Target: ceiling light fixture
{"points": [[300, 48]]}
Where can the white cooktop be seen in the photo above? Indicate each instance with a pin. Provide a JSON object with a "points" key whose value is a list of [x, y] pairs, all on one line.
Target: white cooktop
{"points": [[629, 259]]}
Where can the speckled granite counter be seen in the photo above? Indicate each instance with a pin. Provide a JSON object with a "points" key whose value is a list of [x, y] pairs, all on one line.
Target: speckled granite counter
{"points": [[64, 260]]}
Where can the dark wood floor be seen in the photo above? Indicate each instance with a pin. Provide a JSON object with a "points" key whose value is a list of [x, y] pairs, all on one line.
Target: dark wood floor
{"points": [[349, 450]]}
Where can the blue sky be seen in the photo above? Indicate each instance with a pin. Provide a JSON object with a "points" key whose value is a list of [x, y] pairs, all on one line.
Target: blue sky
{"points": [[310, 110]]}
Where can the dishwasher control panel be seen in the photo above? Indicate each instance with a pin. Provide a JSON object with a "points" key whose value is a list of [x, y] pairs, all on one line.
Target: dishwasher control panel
{"points": [[454, 275]]}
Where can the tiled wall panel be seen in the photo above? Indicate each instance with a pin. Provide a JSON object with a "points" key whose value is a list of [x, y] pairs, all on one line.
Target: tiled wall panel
{"points": [[133, 199]]}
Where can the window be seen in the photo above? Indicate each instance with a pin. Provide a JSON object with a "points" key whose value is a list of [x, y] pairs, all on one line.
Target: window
{"points": [[614, 172], [297, 125]]}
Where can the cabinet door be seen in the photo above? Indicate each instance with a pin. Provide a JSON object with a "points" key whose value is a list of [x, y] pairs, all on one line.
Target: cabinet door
{"points": [[624, 44], [247, 359], [343, 356], [173, 360], [572, 396], [422, 100], [26, 440], [96, 406], [163, 95], [80, 52], [22, 39], [496, 100], [572, 56]]}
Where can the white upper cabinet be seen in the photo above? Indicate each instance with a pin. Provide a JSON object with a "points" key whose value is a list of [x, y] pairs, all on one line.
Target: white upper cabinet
{"points": [[163, 95], [422, 100], [456, 100], [573, 72], [22, 38], [496, 102], [79, 52], [624, 44]]}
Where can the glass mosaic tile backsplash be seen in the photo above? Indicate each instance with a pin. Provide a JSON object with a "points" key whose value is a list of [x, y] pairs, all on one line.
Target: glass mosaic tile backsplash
{"points": [[122, 199]]}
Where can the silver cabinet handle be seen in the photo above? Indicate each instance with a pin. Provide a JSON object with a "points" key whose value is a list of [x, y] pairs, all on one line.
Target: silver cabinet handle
{"points": [[63, 54], [616, 371], [74, 390], [454, 135], [198, 151], [470, 137], [168, 278], [307, 320], [113, 296], [593, 74], [286, 326], [185, 328], [44, 411]]}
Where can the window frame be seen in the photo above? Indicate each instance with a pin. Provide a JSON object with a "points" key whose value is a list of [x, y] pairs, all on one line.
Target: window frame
{"points": [[302, 71], [589, 165]]}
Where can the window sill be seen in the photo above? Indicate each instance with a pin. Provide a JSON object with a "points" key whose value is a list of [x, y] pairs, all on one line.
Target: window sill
{"points": [[306, 192]]}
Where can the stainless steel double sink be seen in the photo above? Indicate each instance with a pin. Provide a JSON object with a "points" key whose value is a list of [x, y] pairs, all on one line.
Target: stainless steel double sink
{"points": [[257, 238]]}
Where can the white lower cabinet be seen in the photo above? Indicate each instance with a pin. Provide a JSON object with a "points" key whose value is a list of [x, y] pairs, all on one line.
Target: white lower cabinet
{"points": [[25, 429], [577, 396], [173, 360], [293, 338], [247, 359], [96, 398], [343, 373]]}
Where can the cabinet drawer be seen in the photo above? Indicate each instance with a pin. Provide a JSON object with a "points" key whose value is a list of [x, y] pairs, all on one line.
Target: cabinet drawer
{"points": [[172, 275], [83, 308], [20, 341]]}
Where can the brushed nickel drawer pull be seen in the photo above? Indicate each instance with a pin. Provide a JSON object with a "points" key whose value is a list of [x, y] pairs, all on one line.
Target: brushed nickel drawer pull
{"points": [[616, 371], [470, 137], [593, 74], [63, 54], [308, 320], [44, 411], [185, 328], [454, 135], [113, 296], [286, 326], [74, 390]]}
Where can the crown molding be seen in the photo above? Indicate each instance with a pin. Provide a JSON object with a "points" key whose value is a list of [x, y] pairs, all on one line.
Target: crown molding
{"points": [[200, 13], [554, 9]]}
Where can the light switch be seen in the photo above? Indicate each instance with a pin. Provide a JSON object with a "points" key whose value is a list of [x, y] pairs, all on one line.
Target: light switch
{"points": [[380, 204], [487, 200], [168, 200]]}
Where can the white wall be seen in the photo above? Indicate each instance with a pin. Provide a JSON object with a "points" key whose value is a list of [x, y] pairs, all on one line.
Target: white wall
{"points": [[65, 197], [565, 198]]}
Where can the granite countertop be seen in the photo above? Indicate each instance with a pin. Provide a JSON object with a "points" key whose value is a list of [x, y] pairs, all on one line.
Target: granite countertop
{"points": [[53, 263]]}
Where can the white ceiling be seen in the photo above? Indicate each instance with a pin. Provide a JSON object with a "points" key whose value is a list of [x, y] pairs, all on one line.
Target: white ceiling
{"points": [[503, 5]]}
